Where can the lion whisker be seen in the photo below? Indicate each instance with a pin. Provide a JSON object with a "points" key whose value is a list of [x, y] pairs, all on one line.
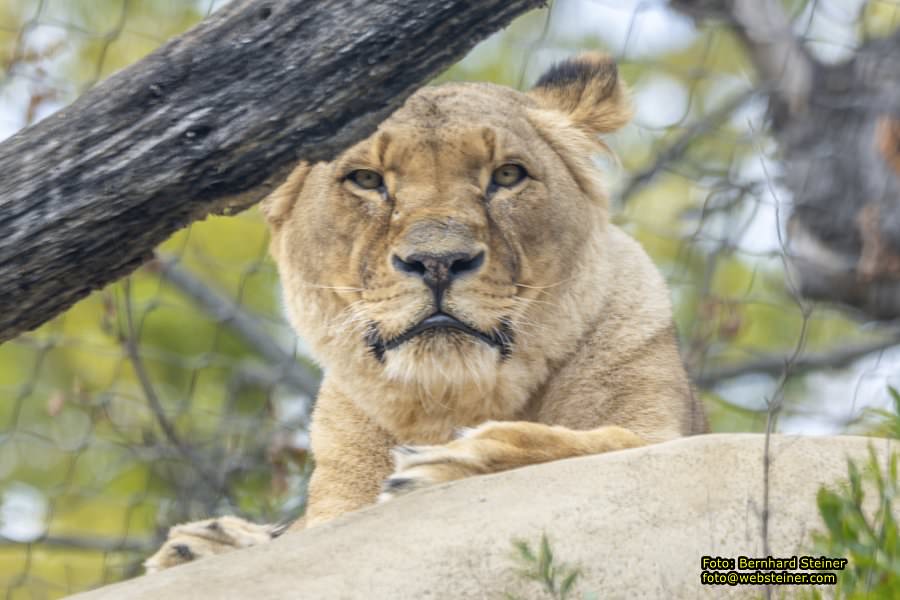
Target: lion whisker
{"points": [[529, 301], [339, 288], [543, 287]]}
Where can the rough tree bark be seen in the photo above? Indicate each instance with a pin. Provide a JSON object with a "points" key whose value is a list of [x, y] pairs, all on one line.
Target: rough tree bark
{"points": [[838, 128], [210, 122]]}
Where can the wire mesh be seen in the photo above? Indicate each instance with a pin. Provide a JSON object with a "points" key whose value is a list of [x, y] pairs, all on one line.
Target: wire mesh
{"points": [[181, 393]]}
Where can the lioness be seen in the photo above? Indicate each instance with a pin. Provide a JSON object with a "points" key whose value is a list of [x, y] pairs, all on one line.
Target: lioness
{"points": [[472, 307]]}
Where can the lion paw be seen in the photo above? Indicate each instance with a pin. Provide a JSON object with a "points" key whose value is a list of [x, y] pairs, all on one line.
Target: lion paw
{"points": [[192, 541], [416, 467]]}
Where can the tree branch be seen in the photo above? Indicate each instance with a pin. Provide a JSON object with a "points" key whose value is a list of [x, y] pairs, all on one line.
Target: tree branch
{"points": [[678, 148], [775, 50], [210, 122], [225, 311], [130, 343], [89, 544], [776, 364]]}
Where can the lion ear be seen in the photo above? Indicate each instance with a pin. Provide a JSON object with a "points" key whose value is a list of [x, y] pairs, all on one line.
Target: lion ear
{"points": [[276, 207], [587, 89]]}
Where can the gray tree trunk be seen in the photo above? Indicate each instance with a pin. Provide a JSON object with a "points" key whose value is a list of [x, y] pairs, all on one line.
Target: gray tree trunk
{"points": [[210, 122], [838, 129]]}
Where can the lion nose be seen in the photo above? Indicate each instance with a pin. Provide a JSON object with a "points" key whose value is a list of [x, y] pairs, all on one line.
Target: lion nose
{"points": [[439, 270]]}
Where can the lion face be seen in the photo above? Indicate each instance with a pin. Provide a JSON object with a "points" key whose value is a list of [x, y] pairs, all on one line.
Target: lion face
{"points": [[433, 251]]}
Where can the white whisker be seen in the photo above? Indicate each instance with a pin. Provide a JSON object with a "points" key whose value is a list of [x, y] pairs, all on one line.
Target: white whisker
{"points": [[543, 287]]}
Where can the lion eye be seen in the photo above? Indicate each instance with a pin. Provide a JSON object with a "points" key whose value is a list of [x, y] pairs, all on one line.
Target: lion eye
{"points": [[366, 179], [508, 175]]}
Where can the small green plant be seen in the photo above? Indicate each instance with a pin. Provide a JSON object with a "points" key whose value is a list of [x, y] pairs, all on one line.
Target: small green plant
{"points": [[556, 579], [888, 424], [871, 544]]}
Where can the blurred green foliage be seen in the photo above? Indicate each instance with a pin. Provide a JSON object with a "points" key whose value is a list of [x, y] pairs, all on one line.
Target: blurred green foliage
{"points": [[556, 580], [865, 532]]}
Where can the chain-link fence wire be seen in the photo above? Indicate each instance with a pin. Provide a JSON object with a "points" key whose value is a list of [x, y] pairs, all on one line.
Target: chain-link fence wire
{"points": [[181, 393]]}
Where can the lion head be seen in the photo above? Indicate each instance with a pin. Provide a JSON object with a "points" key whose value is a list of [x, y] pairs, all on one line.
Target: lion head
{"points": [[439, 252]]}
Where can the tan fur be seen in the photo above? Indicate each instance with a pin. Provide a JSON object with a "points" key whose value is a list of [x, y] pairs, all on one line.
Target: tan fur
{"points": [[887, 135], [593, 366], [200, 539]]}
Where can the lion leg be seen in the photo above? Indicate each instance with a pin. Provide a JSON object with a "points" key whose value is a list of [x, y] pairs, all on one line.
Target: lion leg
{"points": [[191, 541], [497, 446]]}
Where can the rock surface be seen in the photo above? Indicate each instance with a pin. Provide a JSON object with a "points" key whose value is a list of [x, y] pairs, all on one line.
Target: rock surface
{"points": [[636, 522]]}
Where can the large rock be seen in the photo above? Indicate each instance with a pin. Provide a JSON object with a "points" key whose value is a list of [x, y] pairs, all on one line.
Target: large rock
{"points": [[635, 521]]}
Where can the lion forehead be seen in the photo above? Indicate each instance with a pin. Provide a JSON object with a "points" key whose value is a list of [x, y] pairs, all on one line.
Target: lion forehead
{"points": [[462, 104]]}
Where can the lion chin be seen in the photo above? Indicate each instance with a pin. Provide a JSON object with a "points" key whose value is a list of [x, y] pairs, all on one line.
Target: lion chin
{"points": [[442, 364]]}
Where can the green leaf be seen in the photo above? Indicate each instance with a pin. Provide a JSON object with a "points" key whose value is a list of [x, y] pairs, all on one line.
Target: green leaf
{"points": [[524, 550], [567, 583]]}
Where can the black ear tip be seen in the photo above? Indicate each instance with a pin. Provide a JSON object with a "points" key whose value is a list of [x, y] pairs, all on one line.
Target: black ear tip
{"points": [[587, 89], [580, 70]]}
